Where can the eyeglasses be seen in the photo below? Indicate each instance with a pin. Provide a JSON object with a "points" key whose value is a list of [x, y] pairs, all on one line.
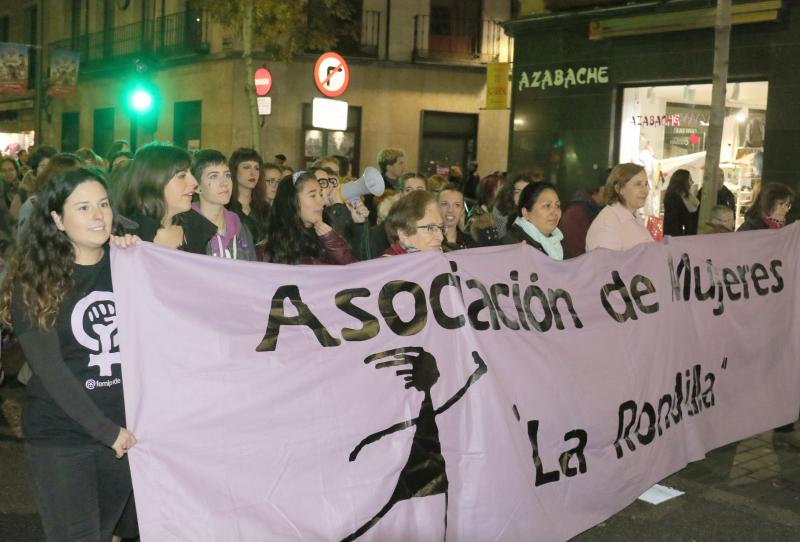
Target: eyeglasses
{"points": [[433, 228], [330, 181], [272, 180]]}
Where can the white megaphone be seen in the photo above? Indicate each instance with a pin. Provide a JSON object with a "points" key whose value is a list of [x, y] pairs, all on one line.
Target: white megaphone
{"points": [[370, 182]]}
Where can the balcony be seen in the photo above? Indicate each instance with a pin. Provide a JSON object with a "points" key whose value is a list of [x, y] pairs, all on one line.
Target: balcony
{"points": [[470, 41], [173, 35]]}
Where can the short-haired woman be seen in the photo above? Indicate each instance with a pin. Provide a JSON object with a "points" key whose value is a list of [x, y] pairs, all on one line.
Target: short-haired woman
{"points": [[538, 213], [769, 208], [232, 239], [619, 226], [414, 224], [159, 199], [297, 234]]}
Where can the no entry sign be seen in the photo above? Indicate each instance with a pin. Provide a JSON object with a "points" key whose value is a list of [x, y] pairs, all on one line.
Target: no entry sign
{"points": [[331, 74], [263, 81]]}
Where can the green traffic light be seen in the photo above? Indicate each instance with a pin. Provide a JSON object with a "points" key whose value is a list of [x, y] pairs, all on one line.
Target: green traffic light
{"points": [[141, 101]]}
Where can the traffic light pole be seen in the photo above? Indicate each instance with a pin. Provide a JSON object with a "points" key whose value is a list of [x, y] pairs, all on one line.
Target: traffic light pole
{"points": [[134, 132]]}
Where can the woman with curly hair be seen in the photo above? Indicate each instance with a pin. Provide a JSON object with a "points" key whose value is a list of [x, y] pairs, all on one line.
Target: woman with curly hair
{"points": [[297, 234], [248, 199], [58, 296], [158, 198]]}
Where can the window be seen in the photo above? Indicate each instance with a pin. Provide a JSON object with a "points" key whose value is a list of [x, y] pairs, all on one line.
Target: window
{"points": [[32, 37], [188, 122], [664, 128], [4, 28], [318, 143], [448, 139], [75, 22], [103, 131], [70, 131]]}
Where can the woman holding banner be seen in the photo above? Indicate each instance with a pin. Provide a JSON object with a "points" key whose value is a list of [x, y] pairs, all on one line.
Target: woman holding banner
{"points": [[58, 296], [538, 213], [159, 199], [297, 233], [619, 226], [414, 224]]}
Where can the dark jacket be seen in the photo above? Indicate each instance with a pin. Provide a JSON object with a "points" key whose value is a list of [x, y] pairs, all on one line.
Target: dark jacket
{"points": [[677, 218], [575, 223], [197, 230], [337, 252], [338, 217], [752, 222], [516, 235], [463, 241]]}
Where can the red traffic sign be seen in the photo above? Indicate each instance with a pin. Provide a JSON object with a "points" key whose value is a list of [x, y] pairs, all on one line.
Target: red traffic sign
{"points": [[263, 81], [331, 74]]}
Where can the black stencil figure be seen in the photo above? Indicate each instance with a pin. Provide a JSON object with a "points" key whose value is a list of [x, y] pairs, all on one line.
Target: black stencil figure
{"points": [[424, 473]]}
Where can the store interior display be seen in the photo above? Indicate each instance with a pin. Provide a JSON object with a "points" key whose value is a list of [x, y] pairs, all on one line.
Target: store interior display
{"points": [[665, 128]]}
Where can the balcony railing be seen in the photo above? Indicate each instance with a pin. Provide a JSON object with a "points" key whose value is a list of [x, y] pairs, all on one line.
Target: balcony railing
{"points": [[171, 35], [458, 40]]}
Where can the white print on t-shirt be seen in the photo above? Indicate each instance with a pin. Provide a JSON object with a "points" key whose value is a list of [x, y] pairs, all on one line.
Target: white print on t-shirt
{"points": [[97, 313]]}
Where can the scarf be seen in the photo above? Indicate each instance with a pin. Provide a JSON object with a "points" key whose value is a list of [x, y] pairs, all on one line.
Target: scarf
{"points": [[551, 245], [773, 223]]}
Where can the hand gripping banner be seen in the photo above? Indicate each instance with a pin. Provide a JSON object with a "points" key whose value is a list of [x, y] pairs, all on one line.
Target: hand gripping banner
{"points": [[488, 394]]}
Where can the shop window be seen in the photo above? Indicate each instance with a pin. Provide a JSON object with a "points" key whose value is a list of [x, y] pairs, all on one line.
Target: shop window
{"points": [[70, 131], [664, 128], [318, 143], [188, 124], [448, 139], [103, 130]]}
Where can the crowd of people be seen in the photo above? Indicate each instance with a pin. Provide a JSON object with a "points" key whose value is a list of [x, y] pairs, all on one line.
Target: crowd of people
{"points": [[59, 212]]}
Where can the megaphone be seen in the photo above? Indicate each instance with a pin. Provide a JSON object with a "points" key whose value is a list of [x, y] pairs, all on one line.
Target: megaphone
{"points": [[371, 182]]}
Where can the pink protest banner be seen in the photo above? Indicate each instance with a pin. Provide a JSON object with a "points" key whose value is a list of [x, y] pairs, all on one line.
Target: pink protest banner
{"points": [[489, 394]]}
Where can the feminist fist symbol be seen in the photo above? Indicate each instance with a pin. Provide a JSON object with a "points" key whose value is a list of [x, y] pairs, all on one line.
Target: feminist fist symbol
{"points": [[97, 310]]}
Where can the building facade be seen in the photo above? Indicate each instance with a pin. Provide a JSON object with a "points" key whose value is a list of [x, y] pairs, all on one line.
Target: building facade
{"points": [[613, 82], [418, 79]]}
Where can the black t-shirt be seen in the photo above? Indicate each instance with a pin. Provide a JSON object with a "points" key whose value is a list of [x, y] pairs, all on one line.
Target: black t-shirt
{"points": [[75, 394]]}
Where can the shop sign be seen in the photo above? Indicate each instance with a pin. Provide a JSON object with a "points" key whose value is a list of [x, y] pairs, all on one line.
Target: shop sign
{"points": [[562, 78], [497, 85]]}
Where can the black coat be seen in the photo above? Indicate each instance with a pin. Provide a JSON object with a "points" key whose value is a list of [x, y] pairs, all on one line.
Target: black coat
{"points": [[515, 235], [677, 218], [753, 223], [197, 230]]}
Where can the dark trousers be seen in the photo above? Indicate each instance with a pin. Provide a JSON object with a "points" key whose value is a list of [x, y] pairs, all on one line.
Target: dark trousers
{"points": [[81, 490]]}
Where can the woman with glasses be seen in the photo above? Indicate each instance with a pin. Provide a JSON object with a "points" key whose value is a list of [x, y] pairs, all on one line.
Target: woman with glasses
{"points": [[414, 224], [348, 219], [272, 176], [538, 213], [769, 209], [297, 234]]}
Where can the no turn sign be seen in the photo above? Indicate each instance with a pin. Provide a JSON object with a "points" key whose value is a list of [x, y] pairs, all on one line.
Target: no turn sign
{"points": [[331, 74]]}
